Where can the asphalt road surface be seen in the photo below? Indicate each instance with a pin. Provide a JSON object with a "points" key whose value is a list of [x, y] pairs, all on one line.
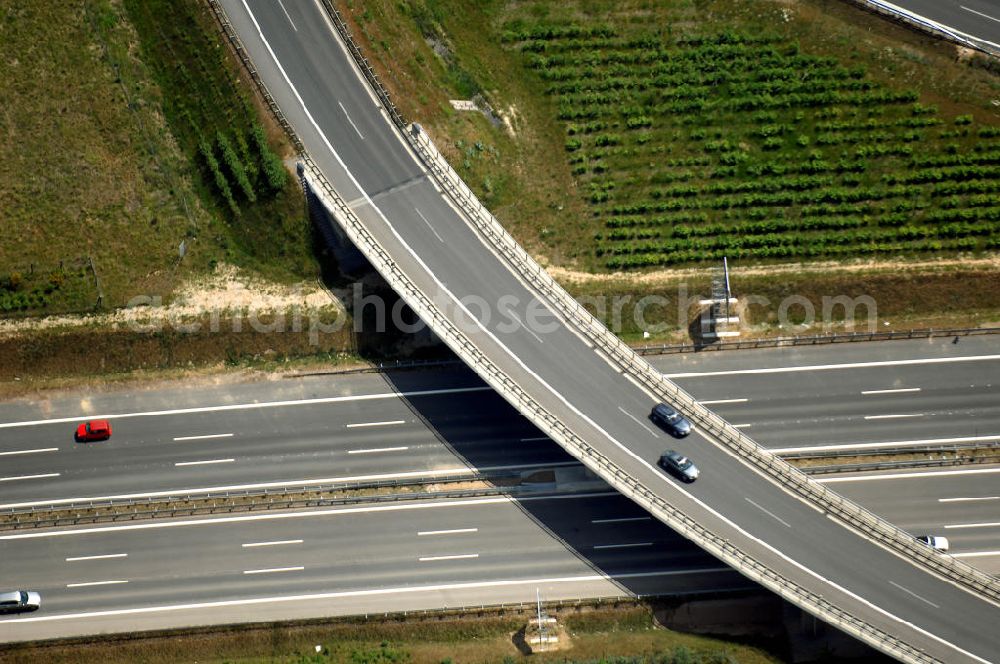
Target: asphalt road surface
{"points": [[607, 535], [977, 18], [346, 561], [356, 426]]}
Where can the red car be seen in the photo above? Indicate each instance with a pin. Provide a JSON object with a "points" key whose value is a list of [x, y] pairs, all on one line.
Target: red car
{"points": [[93, 430]]}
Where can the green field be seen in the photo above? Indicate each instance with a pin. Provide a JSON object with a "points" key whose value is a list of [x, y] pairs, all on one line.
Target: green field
{"points": [[645, 139], [739, 144], [106, 106]]}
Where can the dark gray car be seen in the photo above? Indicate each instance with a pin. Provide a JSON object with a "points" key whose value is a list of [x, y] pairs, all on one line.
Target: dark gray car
{"points": [[677, 464], [672, 422]]}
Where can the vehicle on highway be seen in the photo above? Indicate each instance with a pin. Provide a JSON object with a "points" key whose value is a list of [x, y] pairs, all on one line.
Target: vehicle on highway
{"points": [[677, 464], [934, 541], [93, 430], [670, 420], [19, 600]]}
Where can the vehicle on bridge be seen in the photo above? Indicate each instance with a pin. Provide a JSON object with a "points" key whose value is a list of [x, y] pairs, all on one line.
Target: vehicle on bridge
{"points": [[935, 541], [677, 464], [670, 420], [93, 430], [19, 600]]}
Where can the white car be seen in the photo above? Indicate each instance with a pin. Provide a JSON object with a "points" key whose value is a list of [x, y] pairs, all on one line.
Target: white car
{"points": [[935, 542]]}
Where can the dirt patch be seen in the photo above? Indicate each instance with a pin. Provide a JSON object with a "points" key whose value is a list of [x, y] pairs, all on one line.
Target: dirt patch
{"points": [[226, 292]]}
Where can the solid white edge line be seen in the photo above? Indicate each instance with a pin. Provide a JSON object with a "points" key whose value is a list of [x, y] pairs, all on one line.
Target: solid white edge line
{"points": [[249, 406], [562, 398], [250, 545], [203, 463], [209, 521], [376, 450], [892, 417], [529, 584], [623, 519], [259, 517], [95, 583], [100, 557], [387, 423], [899, 390], [40, 449], [906, 476], [742, 426], [453, 531], [830, 367], [712, 402], [622, 546], [205, 437], [891, 443], [531, 440], [457, 556], [271, 570], [14, 478], [459, 470]]}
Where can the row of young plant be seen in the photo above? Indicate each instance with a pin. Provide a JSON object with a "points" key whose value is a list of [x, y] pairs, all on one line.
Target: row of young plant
{"points": [[786, 78], [741, 96], [748, 66], [812, 241], [785, 252], [239, 170], [622, 103], [768, 227]]}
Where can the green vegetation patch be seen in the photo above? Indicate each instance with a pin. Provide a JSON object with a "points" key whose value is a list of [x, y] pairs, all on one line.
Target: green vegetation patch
{"points": [[431, 639], [107, 105], [87, 169], [697, 145], [237, 172]]}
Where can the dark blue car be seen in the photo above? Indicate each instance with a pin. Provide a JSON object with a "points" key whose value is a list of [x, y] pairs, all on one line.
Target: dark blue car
{"points": [[670, 420]]}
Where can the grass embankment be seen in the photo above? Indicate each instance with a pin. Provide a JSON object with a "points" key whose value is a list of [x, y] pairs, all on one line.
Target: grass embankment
{"points": [[92, 167], [622, 636], [95, 354], [655, 135]]}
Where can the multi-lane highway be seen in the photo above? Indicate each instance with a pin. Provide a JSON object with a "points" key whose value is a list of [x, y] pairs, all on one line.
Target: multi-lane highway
{"points": [[360, 426], [558, 375], [565, 546], [349, 560], [560, 370]]}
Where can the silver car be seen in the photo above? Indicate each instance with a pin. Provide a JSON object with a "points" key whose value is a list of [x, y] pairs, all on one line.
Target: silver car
{"points": [[679, 465], [19, 600]]}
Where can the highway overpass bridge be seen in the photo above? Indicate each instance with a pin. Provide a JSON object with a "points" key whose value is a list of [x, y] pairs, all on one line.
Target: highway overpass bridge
{"points": [[422, 229]]}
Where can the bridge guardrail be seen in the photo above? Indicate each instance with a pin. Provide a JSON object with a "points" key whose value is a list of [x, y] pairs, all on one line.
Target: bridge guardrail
{"points": [[893, 465], [626, 357], [816, 340], [781, 472], [913, 20], [291, 488], [292, 503], [929, 448]]}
